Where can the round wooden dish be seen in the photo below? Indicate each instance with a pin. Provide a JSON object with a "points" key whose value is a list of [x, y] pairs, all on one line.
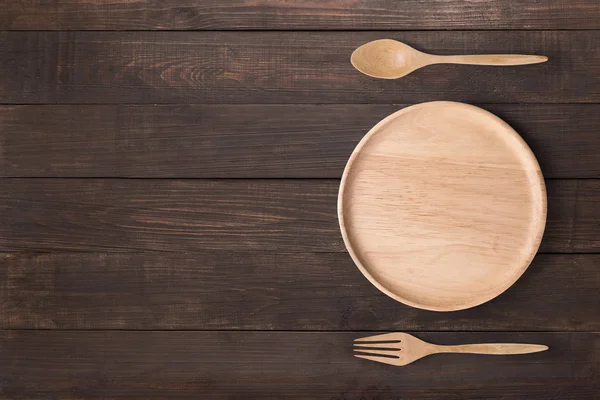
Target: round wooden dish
{"points": [[442, 206]]}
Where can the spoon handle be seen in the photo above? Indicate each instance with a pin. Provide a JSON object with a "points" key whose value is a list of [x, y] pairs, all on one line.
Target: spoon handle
{"points": [[493, 348], [490, 59]]}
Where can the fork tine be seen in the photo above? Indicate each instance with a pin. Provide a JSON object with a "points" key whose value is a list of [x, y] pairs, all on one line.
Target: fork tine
{"points": [[379, 352], [384, 360], [382, 346], [385, 336]]}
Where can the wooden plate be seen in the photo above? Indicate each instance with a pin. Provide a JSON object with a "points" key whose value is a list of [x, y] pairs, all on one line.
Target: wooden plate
{"points": [[442, 206]]}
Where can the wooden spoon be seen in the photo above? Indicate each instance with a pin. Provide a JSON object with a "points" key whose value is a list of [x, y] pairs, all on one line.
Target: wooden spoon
{"points": [[390, 59]]}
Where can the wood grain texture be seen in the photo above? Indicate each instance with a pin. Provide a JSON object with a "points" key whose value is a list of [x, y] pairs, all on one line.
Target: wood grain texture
{"points": [[229, 141], [270, 291], [258, 365], [287, 67], [105, 280], [189, 215], [167, 215], [280, 14]]}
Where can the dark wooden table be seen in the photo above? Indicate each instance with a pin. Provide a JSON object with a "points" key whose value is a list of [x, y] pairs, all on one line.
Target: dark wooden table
{"points": [[169, 176]]}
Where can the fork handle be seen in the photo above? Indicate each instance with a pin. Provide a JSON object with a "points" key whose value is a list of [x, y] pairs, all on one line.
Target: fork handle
{"points": [[493, 348]]}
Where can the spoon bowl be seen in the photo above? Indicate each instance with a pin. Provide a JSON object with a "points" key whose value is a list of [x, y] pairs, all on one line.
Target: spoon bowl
{"points": [[387, 59], [390, 59]]}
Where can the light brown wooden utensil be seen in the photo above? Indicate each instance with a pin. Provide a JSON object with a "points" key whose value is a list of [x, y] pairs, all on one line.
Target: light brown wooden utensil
{"points": [[401, 348], [390, 59], [442, 206]]}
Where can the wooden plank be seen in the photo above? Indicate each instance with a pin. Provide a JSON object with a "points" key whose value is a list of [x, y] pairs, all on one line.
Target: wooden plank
{"points": [[195, 216], [280, 14], [287, 67], [270, 291], [232, 141], [258, 365]]}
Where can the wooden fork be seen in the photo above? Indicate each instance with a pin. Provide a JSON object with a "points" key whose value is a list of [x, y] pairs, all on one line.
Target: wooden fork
{"points": [[402, 349]]}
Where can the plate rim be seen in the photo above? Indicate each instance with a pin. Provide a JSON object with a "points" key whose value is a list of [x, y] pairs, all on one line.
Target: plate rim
{"points": [[541, 218]]}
